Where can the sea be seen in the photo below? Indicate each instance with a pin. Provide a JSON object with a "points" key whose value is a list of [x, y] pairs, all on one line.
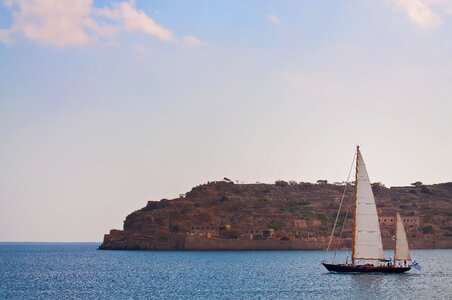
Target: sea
{"points": [[80, 271]]}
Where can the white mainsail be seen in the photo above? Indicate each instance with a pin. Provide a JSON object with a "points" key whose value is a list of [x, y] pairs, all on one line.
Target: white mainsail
{"points": [[402, 251], [368, 243]]}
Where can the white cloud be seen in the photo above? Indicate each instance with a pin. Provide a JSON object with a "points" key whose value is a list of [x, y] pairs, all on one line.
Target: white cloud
{"points": [[191, 41], [273, 19], [420, 12], [54, 22], [132, 19], [77, 22], [102, 30]]}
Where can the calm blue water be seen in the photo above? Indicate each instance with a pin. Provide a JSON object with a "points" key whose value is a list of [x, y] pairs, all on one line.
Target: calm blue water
{"points": [[80, 271]]}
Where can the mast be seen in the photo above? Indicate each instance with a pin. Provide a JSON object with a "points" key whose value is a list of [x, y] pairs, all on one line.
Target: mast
{"points": [[395, 235], [354, 207]]}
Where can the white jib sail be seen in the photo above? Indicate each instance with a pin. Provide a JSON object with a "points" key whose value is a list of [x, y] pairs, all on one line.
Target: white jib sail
{"points": [[368, 243], [402, 250]]}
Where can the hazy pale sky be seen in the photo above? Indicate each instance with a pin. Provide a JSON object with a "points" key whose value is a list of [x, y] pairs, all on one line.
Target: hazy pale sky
{"points": [[105, 105]]}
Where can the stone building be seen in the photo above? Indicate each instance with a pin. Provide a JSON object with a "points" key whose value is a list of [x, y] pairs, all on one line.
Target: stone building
{"points": [[203, 229], [253, 233], [407, 221]]}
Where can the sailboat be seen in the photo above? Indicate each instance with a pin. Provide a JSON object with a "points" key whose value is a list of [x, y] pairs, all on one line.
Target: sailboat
{"points": [[367, 247]]}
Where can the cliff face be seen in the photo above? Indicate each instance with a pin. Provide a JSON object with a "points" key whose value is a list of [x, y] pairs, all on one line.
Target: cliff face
{"points": [[224, 215]]}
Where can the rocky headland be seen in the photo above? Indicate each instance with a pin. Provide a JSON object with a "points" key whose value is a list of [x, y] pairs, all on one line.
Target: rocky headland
{"points": [[223, 215]]}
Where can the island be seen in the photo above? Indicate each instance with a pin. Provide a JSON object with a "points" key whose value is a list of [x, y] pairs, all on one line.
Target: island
{"points": [[223, 215]]}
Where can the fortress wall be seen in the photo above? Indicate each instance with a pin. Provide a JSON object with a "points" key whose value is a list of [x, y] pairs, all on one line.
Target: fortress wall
{"points": [[192, 243]]}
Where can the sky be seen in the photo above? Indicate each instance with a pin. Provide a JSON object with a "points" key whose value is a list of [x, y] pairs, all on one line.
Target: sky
{"points": [[105, 105]]}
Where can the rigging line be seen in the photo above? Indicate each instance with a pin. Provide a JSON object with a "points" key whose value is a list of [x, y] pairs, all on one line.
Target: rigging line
{"points": [[340, 205], [342, 231], [340, 235], [343, 225]]}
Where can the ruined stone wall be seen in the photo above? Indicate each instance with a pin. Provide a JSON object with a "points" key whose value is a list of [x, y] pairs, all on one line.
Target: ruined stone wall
{"points": [[193, 243]]}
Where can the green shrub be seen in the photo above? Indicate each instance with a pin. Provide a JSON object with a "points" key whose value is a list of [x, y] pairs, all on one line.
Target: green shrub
{"points": [[275, 225], [264, 201], [288, 208], [448, 213], [428, 229], [281, 183], [324, 218]]}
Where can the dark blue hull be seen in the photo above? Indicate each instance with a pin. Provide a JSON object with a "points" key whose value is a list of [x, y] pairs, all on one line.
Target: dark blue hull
{"points": [[341, 268]]}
